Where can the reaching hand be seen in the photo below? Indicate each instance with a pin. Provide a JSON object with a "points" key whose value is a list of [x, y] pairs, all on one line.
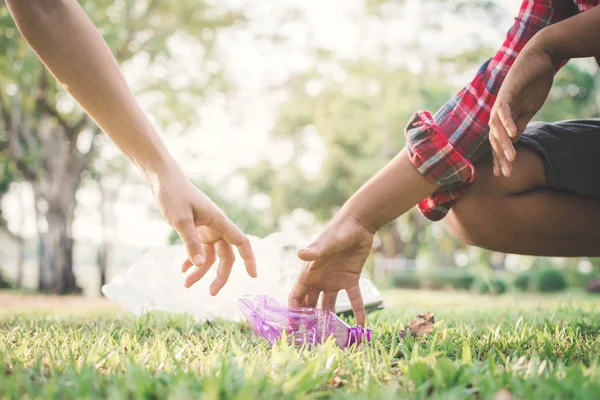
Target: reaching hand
{"points": [[205, 230], [334, 262], [521, 95]]}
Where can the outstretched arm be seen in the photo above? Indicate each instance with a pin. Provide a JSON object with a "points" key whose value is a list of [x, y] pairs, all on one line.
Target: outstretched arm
{"points": [[72, 49]]}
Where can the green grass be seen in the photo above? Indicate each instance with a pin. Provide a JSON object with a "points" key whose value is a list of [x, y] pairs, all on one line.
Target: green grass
{"points": [[536, 347]]}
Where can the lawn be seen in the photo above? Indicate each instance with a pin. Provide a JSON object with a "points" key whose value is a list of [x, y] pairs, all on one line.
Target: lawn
{"points": [[519, 346]]}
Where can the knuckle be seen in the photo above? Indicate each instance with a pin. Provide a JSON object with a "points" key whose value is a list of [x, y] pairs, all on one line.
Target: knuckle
{"points": [[181, 221], [244, 241], [193, 243]]}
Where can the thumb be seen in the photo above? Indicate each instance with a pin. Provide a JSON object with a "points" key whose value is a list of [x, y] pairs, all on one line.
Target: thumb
{"points": [[309, 253], [191, 238], [315, 250]]}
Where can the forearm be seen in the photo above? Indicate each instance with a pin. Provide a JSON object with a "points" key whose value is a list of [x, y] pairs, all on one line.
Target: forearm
{"points": [[575, 37], [390, 193], [72, 49]]}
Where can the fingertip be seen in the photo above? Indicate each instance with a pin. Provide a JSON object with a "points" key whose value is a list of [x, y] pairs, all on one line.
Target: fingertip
{"points": [[251, 267], [187, 264], [187, 284], [217, 285], [308, 254]]}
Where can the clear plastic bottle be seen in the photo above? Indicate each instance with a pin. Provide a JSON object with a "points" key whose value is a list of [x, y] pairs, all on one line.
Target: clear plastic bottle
{"points": [[310, 326]]}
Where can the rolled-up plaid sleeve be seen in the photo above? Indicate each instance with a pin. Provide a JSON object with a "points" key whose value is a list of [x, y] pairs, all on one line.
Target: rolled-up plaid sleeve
{"points": [[444, 146]]}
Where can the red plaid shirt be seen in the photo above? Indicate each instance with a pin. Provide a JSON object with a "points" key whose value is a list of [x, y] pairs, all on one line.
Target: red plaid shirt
{"points": [[444, 147]]}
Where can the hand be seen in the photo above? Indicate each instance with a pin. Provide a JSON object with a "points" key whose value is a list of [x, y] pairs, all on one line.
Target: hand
{"points": [[521, 96], [204, 228], [334, 262]]}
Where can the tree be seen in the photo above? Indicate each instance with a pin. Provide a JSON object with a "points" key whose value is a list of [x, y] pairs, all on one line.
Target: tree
{"points": [[52, 143], [109, 175], [360, 122], [7, 177]]}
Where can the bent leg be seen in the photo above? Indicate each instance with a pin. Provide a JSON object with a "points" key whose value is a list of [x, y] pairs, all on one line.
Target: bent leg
{"points": [[521, 215]]}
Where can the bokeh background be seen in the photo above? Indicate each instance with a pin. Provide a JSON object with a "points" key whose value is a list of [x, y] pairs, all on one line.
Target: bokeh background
{"points": [[278, 110]]}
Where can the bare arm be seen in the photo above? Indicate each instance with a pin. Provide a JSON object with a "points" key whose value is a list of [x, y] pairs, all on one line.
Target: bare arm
{"points": [[575, 37], [72, 49], [528, 83], [394, 190]]}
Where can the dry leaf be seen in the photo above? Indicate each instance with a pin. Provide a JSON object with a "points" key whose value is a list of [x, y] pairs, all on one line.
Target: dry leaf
{"points": [[504, 394], [421, 325], [336, 382]]}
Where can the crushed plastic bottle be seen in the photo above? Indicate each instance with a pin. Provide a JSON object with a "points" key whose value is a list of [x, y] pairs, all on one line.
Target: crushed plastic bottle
{"points": [[310, 326]]}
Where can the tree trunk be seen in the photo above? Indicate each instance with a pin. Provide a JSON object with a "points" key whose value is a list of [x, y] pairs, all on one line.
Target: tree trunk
{"points": [[56, 244], [45, 274], [108, 196], [59, 223], [20, 243], [102, 260], [20, 263]]}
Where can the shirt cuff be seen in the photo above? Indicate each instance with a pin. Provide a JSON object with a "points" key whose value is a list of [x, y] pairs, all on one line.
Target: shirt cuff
{"points": [[434, 155]]}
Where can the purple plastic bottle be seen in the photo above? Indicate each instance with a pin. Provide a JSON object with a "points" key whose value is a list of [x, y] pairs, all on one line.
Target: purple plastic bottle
{"points": [[309, 326]]}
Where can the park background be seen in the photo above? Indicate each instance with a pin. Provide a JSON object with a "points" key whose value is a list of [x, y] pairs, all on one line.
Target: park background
{"points": [[279, 111]]}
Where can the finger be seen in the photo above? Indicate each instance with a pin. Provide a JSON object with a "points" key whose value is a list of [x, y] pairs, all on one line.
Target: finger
{"points": [[328, 302], [227, 257], [318, 248], [496, 165], [195, 276], [503, 163], [505, 150], [309, 253], [356, 301], [505, 115], [236, 237], [299, 291], [493, 145], [312, 298], [186, 265], [209, 254], [186, 229]]}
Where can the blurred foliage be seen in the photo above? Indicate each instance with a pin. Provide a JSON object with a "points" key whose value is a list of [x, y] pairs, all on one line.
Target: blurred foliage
{"points": [[551, 280], [574, 93], [495, 286], [522, 281], [358, 121]]}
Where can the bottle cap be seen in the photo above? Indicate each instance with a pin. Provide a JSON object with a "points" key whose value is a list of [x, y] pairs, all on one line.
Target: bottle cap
{"points": [[357, 334]]}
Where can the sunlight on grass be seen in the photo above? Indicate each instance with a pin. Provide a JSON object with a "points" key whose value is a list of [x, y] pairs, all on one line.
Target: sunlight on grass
{"points": [[542, 347]]}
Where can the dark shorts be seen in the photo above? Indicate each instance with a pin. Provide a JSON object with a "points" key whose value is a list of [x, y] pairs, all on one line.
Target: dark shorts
{"points": [[571, 154]]}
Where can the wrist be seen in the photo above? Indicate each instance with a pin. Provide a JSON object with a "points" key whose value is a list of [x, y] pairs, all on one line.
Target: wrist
{"points": [[546, 42], [394, 190], [353, 210], [161, 170]]}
